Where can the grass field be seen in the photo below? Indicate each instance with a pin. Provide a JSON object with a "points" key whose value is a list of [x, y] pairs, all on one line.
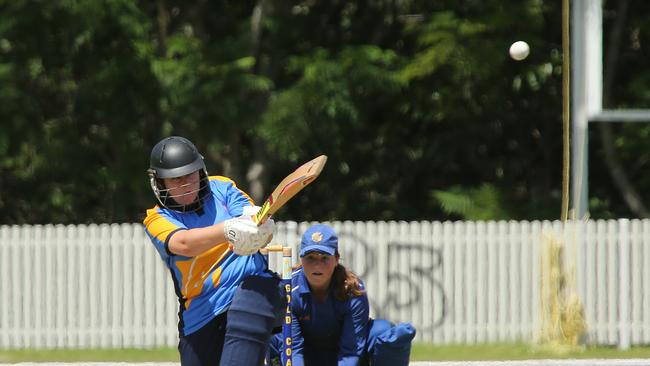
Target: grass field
{"points": [[420, 352], [495, 352]]}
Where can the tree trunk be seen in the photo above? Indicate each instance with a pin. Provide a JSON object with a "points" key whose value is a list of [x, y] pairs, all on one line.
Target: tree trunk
{"points": [[257, 174]]}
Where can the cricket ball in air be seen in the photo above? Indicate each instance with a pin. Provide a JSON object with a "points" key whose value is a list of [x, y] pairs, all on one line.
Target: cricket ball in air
{"points": [[519, 50]]}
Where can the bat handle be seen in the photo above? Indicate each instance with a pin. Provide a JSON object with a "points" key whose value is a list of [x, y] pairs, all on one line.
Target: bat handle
{"points": [[260, 220], [263, 214]]}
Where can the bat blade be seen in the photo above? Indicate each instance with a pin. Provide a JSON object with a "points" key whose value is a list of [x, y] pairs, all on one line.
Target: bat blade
{"points": [[290, 185]]}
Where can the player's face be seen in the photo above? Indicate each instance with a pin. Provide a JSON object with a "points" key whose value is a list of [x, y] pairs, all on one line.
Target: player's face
{"points": [[318, 268], [184, 190]]}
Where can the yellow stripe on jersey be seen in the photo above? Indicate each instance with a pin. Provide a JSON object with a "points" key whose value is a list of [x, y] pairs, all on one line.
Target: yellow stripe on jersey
{"points": [[216, 277], [158, 225], [195, 272]]}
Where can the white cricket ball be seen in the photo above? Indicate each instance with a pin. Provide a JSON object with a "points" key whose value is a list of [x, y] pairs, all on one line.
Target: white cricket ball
{"points": [[519, 50]]}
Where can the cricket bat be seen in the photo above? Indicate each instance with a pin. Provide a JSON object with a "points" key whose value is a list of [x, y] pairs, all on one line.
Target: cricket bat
{"points": [[290, 185]]}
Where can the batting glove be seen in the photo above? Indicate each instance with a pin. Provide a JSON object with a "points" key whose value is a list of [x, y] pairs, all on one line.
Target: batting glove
{"points": [[245, 237], [250, 210]]}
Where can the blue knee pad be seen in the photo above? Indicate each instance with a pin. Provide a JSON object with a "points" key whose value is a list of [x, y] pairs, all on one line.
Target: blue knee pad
{"points": [[377, 327], [388, 344], [251, 318]]}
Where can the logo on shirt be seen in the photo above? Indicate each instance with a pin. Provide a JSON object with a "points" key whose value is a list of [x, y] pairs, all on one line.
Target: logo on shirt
{"points": [[317, 237]]}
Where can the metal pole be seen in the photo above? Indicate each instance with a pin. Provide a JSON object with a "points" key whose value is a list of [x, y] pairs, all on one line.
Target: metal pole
{"points": [[566, 111]]}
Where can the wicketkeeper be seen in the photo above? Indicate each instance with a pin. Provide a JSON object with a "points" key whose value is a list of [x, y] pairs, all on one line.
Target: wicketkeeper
{"points": [[330, 313]]}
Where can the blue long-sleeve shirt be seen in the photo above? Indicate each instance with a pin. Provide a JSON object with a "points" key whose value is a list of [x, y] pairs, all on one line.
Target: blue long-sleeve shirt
{"points": [[204, 289], [329, 333]]}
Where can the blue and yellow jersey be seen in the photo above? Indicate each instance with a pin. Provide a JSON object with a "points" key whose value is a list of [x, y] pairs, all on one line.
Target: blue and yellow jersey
{"points": [[329, 333], [205, 284]]}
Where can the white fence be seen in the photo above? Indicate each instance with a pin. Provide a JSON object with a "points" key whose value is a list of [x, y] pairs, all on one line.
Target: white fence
{"points": [[94, 286]]}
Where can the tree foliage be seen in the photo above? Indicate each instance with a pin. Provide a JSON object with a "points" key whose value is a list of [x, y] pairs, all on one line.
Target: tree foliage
{"points": [[422, 113]]}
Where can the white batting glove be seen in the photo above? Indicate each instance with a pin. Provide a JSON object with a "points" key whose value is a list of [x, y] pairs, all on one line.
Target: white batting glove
{"points": [[250, 210], [245, 237]]}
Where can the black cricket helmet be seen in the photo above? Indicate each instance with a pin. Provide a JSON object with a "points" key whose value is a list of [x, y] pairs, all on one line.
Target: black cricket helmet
{"points": [[174, 157]]}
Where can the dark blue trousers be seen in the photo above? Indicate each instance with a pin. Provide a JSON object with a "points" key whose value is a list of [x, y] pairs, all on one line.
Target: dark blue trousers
{"points": [[240, 336], [203, 347], [388, 345]]}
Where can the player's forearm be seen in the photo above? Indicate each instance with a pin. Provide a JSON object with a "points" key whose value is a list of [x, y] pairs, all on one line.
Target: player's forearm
{"points": [[192, 242]]}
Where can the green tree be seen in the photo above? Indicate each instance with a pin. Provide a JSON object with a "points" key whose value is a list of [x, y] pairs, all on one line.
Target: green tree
{"points": [[422, 113]]}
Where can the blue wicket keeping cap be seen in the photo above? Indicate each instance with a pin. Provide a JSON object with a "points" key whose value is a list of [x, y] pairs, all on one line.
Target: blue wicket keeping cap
{"points": [[319, 238]]}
